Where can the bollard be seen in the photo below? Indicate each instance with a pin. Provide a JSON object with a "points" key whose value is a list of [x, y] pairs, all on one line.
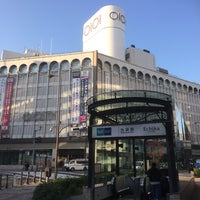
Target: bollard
{"points": [[47, 173], [40, 175], [27, 177], [14, 179], [6, 181], [0, 181], [34, 176], [21, 178], [47, 179]]}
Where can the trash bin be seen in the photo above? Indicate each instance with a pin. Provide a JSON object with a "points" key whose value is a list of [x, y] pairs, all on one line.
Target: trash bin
{"points": [[47, 171]]}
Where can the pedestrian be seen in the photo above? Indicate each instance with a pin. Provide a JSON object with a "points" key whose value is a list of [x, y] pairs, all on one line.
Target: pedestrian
{"points": [[154, 175]]}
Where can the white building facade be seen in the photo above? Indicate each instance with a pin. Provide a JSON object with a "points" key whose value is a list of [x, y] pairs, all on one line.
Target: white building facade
{"points": [[30, 86]]}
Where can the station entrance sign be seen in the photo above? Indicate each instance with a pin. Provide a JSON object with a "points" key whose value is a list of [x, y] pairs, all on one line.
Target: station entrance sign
{"points": [[135, 130]]}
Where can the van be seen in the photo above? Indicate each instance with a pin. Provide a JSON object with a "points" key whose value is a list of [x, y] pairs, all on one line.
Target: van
{"points": [[197, 164], [76, 164]]}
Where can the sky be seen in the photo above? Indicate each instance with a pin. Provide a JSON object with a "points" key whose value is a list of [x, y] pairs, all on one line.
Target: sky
{"points": [[170, 29]]}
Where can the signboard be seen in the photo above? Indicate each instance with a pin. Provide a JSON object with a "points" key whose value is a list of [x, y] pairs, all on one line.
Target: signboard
{"points": [[137, 130], [2, 94], [84, 96], [7, 105], [75, 109], [79, 97]]}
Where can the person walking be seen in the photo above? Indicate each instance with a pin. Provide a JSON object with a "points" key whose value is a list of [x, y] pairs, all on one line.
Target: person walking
{"points": [[154, 175]]}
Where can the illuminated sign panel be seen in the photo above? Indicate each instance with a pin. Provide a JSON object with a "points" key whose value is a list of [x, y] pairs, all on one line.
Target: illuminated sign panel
{"points": [[138, 130]]}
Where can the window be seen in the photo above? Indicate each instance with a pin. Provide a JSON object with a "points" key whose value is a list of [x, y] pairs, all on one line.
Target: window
{"points": [[86, 62], [54, 66], [13, 69], [33, 68], [23, 69]]}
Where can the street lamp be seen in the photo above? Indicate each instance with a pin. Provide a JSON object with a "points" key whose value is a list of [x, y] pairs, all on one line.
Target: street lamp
{"points": [[57, 123], [58, 131], [34, 137]]}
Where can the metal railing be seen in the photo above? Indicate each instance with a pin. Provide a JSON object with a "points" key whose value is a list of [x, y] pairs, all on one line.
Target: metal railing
{"points": [[8, 180]]}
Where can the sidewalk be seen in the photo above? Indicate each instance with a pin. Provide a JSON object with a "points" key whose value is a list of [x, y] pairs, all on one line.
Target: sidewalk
{"points": [[196, 192], [24, 192]]}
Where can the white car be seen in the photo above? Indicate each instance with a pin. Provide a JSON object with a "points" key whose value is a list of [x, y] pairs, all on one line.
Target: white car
{"points": [[76, 164]]}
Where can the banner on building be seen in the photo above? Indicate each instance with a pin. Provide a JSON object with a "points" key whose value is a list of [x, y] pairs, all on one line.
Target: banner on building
{"points": [[2, 94], [75, 109], [84, 96], [7, 105]]}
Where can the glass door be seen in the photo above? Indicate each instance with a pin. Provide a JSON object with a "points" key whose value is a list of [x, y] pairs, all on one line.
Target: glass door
{"points": [[156, 151]]}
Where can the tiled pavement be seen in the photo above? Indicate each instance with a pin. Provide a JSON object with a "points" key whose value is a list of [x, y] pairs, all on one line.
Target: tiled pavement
{"points": [[196, 192], [25, 192]]}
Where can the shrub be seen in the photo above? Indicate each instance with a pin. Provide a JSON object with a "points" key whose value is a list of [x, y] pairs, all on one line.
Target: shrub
{"points": [[103, 177], [59, 189], [196, 172]]}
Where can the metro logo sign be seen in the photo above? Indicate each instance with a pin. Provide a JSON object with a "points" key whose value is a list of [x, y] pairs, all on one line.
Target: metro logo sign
{"points": [[104, 131]]}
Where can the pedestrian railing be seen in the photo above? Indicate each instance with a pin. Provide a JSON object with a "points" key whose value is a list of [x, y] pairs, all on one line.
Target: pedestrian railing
{"points": [[8, 180]]}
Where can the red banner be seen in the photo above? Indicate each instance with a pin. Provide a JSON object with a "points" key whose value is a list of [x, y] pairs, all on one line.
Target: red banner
{"points": [[7, 105]]}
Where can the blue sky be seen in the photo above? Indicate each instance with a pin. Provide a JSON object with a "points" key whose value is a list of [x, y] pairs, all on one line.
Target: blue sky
{"points": [[169, 29]]}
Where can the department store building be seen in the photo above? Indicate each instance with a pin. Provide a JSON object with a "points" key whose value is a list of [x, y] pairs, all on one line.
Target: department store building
{"points": [[33, 86]]}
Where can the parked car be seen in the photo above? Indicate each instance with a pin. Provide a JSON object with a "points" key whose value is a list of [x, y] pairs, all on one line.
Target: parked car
{"points": [[197, 164], [76, 164]]}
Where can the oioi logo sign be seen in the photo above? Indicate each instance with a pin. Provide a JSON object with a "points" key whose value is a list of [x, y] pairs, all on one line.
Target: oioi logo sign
{"points": [[117, 16], [93, 25], [96, 22]]}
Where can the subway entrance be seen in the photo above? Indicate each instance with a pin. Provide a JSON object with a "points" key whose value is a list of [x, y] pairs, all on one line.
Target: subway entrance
{"points": [[134, 156], [127, 131]]}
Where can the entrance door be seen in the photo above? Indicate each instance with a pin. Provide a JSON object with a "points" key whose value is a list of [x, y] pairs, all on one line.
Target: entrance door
{"points": [[156, 151], [133, 156], [139, 157]]}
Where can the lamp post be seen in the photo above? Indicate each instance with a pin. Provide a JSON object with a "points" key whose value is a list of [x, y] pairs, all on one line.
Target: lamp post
{"points": [[58, 131], [57, 124], [34, 137]]}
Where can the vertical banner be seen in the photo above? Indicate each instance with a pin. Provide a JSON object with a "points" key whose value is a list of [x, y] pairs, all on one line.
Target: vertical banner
{"points": [[2, 94], [84, 96], [7, 105], [75, 110]]}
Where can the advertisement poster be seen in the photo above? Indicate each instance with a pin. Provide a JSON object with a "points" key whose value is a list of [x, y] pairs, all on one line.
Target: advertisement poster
{"points": [[7, 105], [75, 110]]}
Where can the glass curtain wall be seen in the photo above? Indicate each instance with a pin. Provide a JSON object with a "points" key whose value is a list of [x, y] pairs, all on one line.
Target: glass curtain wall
{"points": [[132, 155]]}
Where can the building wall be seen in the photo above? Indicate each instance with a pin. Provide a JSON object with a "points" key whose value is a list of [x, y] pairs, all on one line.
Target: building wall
{"points": [[114, 74], [35, 95]]}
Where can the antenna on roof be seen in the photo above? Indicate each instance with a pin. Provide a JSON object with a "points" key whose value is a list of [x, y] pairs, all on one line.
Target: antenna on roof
{"points": [[51, 46], [41, 46]]}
